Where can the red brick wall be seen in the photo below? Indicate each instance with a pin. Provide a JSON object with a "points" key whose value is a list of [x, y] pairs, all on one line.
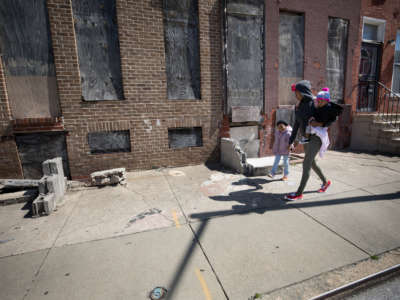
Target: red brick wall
{"points": [[146, 111], [388, 10], [316, 37]]}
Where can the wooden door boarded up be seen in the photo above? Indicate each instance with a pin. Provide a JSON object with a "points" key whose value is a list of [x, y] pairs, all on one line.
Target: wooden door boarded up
{"points": [[35, 148], [182, 52], [291, 54], [244, 58], [336, 57], [28, 59], [97, 40]]}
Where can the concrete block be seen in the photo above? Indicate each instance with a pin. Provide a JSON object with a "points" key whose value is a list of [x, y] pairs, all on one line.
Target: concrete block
{"points": [[55, 167], [42, 186], [108, 177], [55, 185], [261, 166], [247, 137], [252, 148], [232, 155], [43, 205]]}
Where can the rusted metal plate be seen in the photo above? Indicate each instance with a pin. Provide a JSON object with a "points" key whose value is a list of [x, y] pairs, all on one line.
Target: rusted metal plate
{"points": [[336, 57], [245, 113], [244, 58], [182, 52], [97, 40]]}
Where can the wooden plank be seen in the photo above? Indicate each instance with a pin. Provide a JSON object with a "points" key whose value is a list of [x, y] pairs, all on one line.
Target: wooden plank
{"points": [[336, 57], [245, 54], [28, 59], [96, 32], [291, 45], [182, 50], [35, 148]]}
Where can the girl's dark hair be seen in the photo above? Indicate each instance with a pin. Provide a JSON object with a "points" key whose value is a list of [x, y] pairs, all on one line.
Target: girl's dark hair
{"points": [[281, 122]]}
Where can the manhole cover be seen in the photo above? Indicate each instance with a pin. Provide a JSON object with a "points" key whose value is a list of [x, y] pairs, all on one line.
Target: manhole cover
{"points": [[158, 293]]}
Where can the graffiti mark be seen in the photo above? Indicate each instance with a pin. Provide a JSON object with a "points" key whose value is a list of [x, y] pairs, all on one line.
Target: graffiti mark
{"points": [[142, 215]]}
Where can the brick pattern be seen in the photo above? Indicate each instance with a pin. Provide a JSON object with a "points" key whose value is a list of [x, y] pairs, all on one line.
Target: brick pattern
{"points": [[145, 111]]}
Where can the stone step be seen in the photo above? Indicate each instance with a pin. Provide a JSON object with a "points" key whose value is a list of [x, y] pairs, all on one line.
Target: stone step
{"points": [[18, 197]]}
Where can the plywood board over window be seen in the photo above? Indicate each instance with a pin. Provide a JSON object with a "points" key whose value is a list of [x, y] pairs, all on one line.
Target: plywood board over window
{"points": [[291, 54], [336, 57], [244, 59], [182, 52], [96, 31], [28, 59]]}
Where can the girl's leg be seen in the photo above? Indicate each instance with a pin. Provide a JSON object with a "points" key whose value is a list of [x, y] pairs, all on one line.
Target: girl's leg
{"points": [[285, 165], [276, 163]]}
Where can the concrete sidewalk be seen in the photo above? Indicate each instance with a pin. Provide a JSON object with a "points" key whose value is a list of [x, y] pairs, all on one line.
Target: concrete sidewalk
{"points": [[208, 234]]}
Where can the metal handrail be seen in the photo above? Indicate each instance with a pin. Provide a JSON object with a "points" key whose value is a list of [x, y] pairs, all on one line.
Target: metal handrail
{"points": [[388, 105]]}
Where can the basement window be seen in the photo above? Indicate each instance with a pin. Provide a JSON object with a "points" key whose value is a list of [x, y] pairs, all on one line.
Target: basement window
{"points": [[109, 142], [185, 137], [96, 31], [182, 51]]}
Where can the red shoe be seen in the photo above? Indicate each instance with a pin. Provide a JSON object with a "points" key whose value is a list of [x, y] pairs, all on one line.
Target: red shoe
{"points": [[293, 196], [324, 187]]}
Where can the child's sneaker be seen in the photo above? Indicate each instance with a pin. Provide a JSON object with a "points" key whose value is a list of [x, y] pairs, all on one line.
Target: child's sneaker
{"points": [[284, 178], [293, 196], [304, 140], [270, 175], [324, 187]]}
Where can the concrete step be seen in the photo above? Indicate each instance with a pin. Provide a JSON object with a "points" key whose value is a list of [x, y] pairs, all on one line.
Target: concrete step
{"points": [[18, 197]]}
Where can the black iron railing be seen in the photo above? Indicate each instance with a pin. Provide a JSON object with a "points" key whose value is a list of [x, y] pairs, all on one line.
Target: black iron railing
{"points": [[376, 98], [388, 106]]}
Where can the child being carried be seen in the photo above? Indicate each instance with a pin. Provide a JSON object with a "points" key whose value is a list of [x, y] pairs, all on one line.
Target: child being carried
{"points": [[325, 114]]}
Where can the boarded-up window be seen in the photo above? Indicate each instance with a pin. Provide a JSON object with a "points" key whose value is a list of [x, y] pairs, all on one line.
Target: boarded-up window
{"points": [[396, 65], [96, 32], [35, 148], [182, 57], [185, 137], [336, 57], [109, 141], [28, 59], [291, 54], [244, 37]]}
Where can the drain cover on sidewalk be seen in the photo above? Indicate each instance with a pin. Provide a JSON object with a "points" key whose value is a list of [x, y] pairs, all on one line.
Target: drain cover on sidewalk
{"points": [[158, 293]]}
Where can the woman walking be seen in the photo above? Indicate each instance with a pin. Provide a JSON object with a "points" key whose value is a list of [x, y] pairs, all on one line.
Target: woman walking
{"points": [[305, 109]]}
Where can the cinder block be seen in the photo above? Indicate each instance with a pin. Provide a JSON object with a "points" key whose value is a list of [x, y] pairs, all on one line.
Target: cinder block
{"points": [[232, 155], [43, 205]]}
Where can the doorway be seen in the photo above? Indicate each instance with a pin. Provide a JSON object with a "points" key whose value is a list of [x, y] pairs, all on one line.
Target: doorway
{"points": [[370, 61]]}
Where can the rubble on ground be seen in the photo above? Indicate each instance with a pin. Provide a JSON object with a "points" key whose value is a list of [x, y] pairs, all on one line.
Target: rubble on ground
{"points": [[109, 177]]}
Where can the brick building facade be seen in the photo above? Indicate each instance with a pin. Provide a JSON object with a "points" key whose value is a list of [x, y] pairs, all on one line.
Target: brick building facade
{"points": [[146, 116]]}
